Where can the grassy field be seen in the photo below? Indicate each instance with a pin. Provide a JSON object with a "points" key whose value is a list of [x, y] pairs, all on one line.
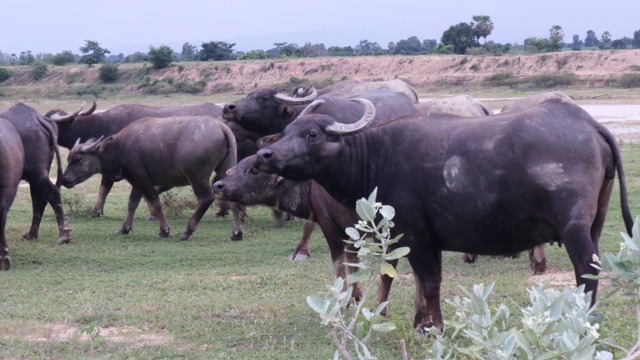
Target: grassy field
{"points": [[107, 296]]}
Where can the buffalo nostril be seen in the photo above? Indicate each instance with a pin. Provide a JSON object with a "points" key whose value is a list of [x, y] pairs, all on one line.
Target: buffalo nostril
{"points": [[265, 153], [230, 107], [218, 185]]}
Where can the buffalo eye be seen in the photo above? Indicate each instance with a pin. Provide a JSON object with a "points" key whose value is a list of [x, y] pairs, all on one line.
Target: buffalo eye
{"points": [[253, 171], [311, 135], [265, 98]]}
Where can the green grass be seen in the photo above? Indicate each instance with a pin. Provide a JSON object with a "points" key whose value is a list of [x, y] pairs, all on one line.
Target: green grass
{"points": [[106, 296]]}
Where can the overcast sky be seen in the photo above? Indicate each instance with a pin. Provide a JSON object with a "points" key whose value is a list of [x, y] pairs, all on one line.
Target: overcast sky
{"points": [[46, 26]]}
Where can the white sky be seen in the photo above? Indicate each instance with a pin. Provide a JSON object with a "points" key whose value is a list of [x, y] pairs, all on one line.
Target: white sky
{"points": [[128, 26]]}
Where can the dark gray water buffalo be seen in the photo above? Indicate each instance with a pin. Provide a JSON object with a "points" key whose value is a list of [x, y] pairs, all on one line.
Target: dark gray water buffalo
{"points": [[493, 185], [248, 185], [156, 154], [267, 112], [11, 163], [39, 138], [89, 124]]}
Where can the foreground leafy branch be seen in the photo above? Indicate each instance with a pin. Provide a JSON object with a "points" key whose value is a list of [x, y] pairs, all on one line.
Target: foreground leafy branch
{"points": [[352, 326]]}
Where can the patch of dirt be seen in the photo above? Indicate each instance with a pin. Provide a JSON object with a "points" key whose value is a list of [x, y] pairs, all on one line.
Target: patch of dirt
{"points": [[554, 278], [121, 334]]}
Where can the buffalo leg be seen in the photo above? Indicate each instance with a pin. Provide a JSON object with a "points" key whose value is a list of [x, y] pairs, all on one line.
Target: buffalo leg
{"points": [[134, 201], [581, 249], [538, 259], [302, 252], [282, 217], [105, 188], [5, 259], [43, 192], [427, 267], [204, 194], [238, 212]]}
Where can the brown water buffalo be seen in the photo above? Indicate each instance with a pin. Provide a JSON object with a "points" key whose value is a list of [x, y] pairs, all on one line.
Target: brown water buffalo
{"points": [[11, 164], [266, 112], [493, 185], [39, 138], [90, 124], [248, 185], [156, 154]]}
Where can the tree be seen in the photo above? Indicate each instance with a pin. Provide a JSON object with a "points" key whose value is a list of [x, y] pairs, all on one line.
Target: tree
{"points": [[428, 45], [618, 44], [94, 53], [26, 58], [312, 50], [253, 54], [63, 58], [536, 45], [216, 50], [605, 40], [365, 47], [409, 46], [189, 52], [577, 43], [341, 51], [136, 57], [461, 36], [591, 39], [483, 27], [160, 57], [556, 34], [636, 39]]}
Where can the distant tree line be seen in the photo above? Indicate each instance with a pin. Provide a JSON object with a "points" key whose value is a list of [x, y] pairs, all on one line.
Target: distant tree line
{"points": [[462, 38]]}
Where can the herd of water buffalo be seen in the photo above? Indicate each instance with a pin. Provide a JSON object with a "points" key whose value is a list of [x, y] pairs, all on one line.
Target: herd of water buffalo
{"points": [[459, 177]]}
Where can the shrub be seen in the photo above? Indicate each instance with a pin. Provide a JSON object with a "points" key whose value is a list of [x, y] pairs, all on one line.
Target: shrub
{"points": [[629, 80], [222, 88], [500, 79], [190, 87], [39, 70], [92, 90], [547, 81], [5, 74], [159, 88], [109, 72]]}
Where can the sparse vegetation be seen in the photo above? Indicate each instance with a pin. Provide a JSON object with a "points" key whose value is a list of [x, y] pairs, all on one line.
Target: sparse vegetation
{"points": [[39, 70], [550, 81], [5, 74], [500, 79], [629, 80]]}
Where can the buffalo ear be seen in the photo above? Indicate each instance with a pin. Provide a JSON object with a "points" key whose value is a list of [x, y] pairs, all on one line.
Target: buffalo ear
{"points": [[268, 140], [286, 112], [104, 145]]}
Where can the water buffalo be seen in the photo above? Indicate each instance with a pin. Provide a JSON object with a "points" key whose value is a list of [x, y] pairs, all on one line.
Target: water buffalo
{"points": [[39, 137], [266, 112], [248, 185], [354, 87], [156, 154], [89, 124], [493, 185], [11, 163]]}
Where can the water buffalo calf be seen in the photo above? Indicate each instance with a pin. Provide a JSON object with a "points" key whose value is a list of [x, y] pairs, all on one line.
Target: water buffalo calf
{"points": [[156, 154]]}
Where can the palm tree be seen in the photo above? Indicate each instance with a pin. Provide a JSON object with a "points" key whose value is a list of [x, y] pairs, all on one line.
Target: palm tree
{"points": [[483, 27]]}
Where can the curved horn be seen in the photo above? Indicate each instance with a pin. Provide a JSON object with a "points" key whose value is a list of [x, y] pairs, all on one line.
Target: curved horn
{"points": [[92, 146], [345, 129], [314, 105], [76, 144], [90, 111], [289, 100], [62, 118]]}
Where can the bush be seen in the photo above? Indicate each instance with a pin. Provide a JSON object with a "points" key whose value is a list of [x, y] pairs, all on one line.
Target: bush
{"points": [[159, 88], [500, 79], [109, 72], [39, 70], [626, 80], [190, 87], [222, 88], [5, 74], [547, 81]]}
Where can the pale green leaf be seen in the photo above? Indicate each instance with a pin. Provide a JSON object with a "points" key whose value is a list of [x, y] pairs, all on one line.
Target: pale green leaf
{"points": [[384, 327], [397, 253], [318, 304], [387, 269]]}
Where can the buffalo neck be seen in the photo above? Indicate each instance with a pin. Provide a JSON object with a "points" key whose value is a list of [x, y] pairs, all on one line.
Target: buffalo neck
{"points": [[352, 173]]}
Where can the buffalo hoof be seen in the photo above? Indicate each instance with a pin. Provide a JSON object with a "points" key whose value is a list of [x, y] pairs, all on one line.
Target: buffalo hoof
{"points": [[283, 218], [29, 236], [538, 266], [163, 234], [185, 237], [221, 213], [236, 237], [96, 213], [469, 258], [64, 239], [298, 256], [5, 262], [123, 231], [152, 218]]}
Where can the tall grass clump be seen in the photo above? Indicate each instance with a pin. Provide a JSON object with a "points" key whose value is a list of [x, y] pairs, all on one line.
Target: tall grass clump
{"points": [[505, 78], [550, 80]]}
